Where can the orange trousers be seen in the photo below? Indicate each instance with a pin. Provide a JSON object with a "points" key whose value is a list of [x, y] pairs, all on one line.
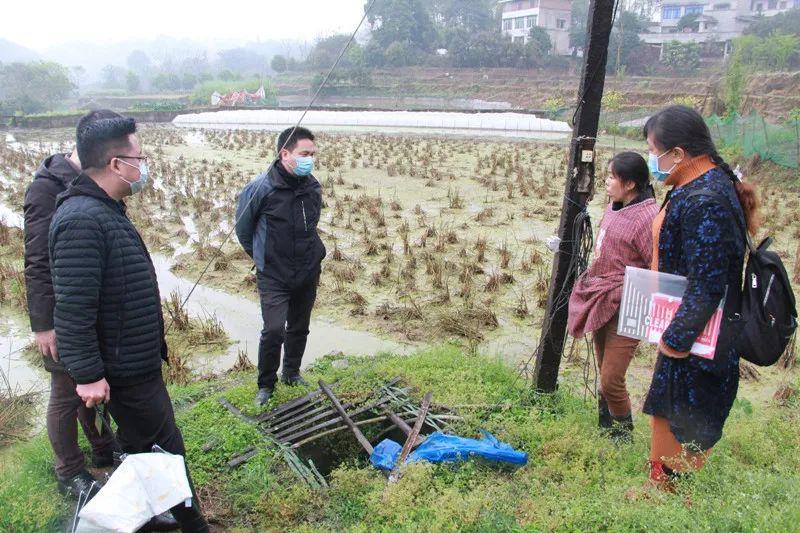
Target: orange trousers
{"points": [[666, 449]]}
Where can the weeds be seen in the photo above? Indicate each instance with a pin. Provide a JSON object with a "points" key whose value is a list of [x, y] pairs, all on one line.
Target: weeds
{"points": [[178, 315], [177, 370], [493, 282], [242, 363], [15, 413], [456, 201], [521, 309], [211, 329], [505, 255], [12, 286]]}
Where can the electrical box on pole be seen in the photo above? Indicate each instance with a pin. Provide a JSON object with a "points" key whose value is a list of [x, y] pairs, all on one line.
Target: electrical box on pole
{"points": [[578, 191]]}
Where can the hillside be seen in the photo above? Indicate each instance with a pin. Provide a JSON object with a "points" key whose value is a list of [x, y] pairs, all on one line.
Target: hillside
{"points": [[12, 52], [772, 94]]}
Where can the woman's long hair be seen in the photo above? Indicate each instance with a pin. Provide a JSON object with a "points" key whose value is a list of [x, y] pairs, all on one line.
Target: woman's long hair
{"points": [[682, 127]]}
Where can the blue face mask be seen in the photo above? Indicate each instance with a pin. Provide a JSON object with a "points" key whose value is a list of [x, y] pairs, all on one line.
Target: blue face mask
{"points": [[304, 166], [652, 164], [144, 176]]}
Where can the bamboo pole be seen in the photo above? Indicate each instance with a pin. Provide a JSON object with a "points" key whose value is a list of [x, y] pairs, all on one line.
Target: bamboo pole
{"points": [[337, 430], [286, 435], [412, 438], [357, 432]]}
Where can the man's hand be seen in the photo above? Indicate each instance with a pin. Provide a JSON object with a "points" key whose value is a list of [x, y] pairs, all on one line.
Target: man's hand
{"points": [[46, 341], [94, 393]]}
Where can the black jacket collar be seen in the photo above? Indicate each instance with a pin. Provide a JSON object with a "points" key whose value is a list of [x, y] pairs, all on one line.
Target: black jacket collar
{"points": [[58, 168], [283, 179], [83, 185], [646, 195]]}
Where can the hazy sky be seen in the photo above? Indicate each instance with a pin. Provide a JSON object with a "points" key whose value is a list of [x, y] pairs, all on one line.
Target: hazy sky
{"points": [[38, 24]]}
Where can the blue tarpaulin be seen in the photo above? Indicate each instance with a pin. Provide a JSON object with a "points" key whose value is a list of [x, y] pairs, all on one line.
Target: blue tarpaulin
{"points": [[442, 448]]}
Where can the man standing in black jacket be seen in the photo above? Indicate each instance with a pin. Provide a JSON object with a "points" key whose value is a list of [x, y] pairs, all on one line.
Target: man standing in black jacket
{"points": [[276, 223], [108, 320], [51, 179]]}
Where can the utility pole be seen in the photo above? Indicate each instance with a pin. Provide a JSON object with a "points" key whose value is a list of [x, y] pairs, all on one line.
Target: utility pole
{"points": [[577, 193]]}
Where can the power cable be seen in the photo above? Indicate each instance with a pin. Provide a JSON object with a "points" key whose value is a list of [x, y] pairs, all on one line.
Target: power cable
{"points": [[218, 251], [596, 69]]}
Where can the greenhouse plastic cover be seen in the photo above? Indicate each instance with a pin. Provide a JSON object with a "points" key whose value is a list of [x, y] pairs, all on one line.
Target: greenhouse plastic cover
{"points": [[491, 123], [443, 448]]}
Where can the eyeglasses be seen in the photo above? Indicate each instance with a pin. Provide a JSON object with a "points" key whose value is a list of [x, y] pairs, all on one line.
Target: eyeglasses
{"points": [[139, 157]]}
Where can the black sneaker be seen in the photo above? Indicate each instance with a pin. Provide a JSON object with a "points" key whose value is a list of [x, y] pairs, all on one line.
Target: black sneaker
{"points": [[83, 483], [621, 431], [293, 381], [263, 396], [604, 419]]}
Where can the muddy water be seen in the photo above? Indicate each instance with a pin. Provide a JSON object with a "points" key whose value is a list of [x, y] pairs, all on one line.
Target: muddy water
{"points": [[241, 318], [16, 371], [30, 145]]}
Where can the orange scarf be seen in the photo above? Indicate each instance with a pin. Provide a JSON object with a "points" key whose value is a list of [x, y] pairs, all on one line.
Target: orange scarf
{"points": [[686, 172]]}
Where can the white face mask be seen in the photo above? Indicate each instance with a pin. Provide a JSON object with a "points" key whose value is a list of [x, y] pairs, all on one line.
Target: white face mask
{"points": [[144, 176], [304, 165], [657, 173]]}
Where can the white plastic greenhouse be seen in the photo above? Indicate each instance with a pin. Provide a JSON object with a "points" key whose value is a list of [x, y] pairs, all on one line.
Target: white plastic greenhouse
{"points": [[477, 124]]}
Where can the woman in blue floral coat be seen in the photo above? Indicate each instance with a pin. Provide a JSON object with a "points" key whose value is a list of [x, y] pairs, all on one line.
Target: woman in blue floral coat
{"points": [[698, 236]]}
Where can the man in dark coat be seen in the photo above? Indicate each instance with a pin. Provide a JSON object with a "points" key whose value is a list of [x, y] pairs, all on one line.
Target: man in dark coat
{"points": [[52, 178], [108, 320], [276, 223]]}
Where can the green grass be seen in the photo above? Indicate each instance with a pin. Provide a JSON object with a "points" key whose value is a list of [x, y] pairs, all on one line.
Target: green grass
{"points": [[30, 501], [575, 479]]}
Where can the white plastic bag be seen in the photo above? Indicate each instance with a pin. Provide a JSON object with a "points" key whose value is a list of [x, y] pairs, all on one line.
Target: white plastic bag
{"points": [[552, 242], [144, 485]]}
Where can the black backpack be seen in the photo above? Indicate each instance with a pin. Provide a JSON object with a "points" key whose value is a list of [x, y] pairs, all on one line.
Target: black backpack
{"points": [[768, 314]]}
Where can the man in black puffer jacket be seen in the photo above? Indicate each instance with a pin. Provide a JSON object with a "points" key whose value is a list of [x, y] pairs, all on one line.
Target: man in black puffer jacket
{"points": [[276, 223], [108, 320], [64, 406]]}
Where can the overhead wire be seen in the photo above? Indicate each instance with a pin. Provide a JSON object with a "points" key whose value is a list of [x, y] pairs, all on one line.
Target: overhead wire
{"points": [[227, 237], [596, 70], [579, 261]]}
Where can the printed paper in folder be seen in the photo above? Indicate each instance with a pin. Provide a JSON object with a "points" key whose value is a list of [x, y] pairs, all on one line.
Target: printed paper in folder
{"points": [[649, 302]]}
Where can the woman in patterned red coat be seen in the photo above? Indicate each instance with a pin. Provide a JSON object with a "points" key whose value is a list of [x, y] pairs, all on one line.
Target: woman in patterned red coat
{"points": [[625, 239]]}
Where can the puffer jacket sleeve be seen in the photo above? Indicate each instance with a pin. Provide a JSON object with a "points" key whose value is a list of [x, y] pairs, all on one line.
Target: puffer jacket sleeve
{"points": [[39, 206], [77, 257], [247, 212], [705, 228]]}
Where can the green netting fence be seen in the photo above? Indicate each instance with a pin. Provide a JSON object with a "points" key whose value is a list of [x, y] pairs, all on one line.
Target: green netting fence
{"points": [[750, 135]]}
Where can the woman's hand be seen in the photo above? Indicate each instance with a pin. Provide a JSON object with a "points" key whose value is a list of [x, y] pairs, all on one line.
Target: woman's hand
{"points": [[669, 352]]}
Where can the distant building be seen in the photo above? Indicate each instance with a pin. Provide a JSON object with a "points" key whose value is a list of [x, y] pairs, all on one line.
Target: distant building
{"points": [[717, 21], [554, 16]]}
